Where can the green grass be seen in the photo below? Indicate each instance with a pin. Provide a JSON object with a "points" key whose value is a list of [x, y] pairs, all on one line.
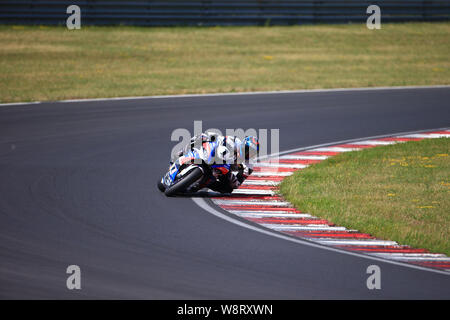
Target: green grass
{"points": [[52, 63], [399, 192]]}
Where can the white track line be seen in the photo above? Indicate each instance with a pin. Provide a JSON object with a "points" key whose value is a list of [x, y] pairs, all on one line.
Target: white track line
{"points": [[267, 214], [19, 103], [426, 136], [281, 165], [300, 157], [269, 174], [335, 149], [362, 242], [308, 227], [397, 255], [406, 258], [374, 142], [254, 192], [254, 202], [261, 183], [224, 94]]}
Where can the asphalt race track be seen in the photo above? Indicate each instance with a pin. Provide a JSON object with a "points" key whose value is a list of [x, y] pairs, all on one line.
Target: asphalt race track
{"points": [[78, 186]]}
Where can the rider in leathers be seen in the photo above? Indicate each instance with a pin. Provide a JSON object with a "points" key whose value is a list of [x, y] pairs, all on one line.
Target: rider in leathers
{"points": [[231, 150]]}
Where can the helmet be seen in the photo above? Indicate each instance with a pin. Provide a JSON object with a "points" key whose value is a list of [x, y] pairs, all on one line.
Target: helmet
{"points": [[250, 147], [223, 154]]}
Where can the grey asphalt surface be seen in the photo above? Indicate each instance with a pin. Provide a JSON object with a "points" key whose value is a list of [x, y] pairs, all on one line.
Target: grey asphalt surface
{"points": [[78, 186]]}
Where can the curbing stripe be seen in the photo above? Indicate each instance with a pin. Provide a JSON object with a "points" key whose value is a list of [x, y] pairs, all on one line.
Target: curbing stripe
{"points": [[373, 142], [282, 165], [335, 149], [269, 174], [319, 227], [304, 157], [356, 242], [267, 213], [274, 214], [261, 182], [427, 136], [261, 203]]}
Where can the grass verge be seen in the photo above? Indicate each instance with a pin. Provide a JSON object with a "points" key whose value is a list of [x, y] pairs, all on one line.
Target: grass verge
{"points": [[53, 63], [398, 192]]}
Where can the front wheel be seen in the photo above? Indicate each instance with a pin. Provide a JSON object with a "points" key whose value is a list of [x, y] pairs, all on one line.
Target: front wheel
{"points": [[183, 183], [161, 187]]}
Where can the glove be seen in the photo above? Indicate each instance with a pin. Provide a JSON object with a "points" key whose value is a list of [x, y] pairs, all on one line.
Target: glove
{"points": [[243, 173]]}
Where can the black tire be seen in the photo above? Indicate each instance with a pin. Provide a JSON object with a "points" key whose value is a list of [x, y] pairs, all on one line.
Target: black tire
{"points": [[161, 187], [184, 182]]}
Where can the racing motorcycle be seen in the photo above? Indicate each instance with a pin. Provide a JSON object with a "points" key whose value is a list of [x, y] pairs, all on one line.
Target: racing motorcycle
{"points": [[194, 169]]}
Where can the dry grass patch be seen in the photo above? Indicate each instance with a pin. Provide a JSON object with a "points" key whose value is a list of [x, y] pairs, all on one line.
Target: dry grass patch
{"points": [[53, 63]]}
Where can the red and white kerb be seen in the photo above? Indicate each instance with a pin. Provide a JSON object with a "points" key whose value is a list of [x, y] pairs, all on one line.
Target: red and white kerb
{"points": [[257, 201]]}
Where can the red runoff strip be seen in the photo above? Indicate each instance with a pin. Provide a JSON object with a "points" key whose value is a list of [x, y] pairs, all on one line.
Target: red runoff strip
{"points": [[390, 249], [440, 132], [359, 146], [270, 169], [291, 221], [294, 161], [258, 208], [399, 139], [250, 197], [269, 178], [330, 234], [253, 187], [433, 264], [315, 153]]}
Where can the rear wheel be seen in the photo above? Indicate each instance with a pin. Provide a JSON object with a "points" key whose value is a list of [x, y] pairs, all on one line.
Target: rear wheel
{"points": [[184, 182]]}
